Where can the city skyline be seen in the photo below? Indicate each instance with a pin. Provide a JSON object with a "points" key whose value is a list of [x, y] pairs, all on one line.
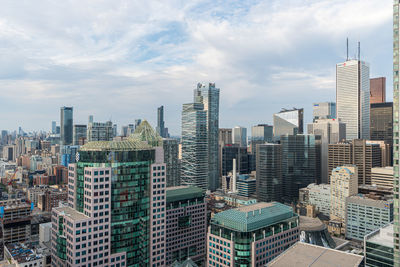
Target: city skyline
{"points": [[161, 62]]}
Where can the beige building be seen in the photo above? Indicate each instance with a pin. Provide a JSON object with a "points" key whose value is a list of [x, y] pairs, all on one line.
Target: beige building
{"points": [[343, 184], [382, 177]]}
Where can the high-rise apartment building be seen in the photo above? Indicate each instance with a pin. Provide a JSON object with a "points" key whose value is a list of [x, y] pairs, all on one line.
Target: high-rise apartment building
{"points": [[160, 122], [251, 235], [352, 98], [331, 131], [194, 169], [269, 172], [66, 125], [186, 225], [324, 110], [239, 136], [79, 134], [300, 165], [378, 90], [135, 213], [344, 183], [208, 95], [288, 122], [100, 131]]}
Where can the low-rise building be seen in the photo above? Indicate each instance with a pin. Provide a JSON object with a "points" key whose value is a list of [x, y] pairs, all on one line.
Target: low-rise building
{"points": [[318, 195], [379, 247], [251, 235], [26, 255]]}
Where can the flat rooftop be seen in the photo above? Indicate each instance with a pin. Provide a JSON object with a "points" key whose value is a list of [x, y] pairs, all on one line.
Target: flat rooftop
{"points": [[253, 217], [307, 255], [183, 193], [23, 252], [311, 224], [383, 236], [70, 212]]}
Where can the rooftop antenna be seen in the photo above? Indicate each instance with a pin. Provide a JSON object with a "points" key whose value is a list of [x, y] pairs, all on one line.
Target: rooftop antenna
{"points": [[359, 51], [347, 49]]}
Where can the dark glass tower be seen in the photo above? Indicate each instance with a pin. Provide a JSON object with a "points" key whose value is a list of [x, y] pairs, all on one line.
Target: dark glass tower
{"points": [[160, 122], [66, 121]]}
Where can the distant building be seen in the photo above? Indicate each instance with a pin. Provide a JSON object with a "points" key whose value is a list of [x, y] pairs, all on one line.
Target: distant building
{"points": [[225, 136], [246, 185], [100, 131], [239, 136], [53, 127], [160, 129], [365, 215], [269, 229], [324, 110], [353, 98], [66, 125], [382, 124], [378, 90], [230, 152], [260, 134], [79, 134], [172, 162], [186, 224], [379, 247], [288, 122]]}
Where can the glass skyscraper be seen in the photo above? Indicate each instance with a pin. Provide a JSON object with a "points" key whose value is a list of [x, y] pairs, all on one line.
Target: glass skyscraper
{"points": [[66, 125], [160, 122]]}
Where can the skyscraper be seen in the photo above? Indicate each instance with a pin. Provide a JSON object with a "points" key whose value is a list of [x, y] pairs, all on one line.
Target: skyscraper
{"points": [[171, 149], [66, 125], [160, 121], [239, 136], [53, 127], [382, 124], [269, 172], [79, 133], [260, 134], [324, 110], [378, 90], [194, 169], [208, 95], [352, 98], [100, 131], [288, 122], [396, 131]]}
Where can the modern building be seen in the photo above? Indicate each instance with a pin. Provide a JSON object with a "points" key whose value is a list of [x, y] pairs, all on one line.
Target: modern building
{"points": [[186, 225], [239, 136], [324, 110], [300, 166], [365, 215], [378, 247], [160, 129], [173, 164], [66, 120], [314, 231], [260, 134], [332, 131], [79, 134], [382, 177], [230, 152], [378, 90], [269, 172], [305, 255], [382, 124], [318, 195], [194, 170], [288, 121], [343, 184], [246, 185], [134, 219], [208, 95], [353, 98], [251, 235], [15, 221], [225, 136], [53, 127], [100, 131]]}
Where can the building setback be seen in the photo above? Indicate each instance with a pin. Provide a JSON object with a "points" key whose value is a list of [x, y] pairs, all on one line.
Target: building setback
{"points": [[288, 122]]}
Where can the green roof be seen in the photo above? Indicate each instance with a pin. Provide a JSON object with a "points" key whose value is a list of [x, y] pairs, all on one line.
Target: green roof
{"points": [[253, 217], [144, 132], [124, 145], [182, 193]]}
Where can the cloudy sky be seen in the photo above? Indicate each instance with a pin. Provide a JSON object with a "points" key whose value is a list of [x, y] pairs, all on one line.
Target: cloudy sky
{"points": [[122, 59]]}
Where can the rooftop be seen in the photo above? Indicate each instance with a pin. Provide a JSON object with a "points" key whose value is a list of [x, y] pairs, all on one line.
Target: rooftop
{"points": [[303, 254], [70, 212], [311, 224], [144, 132], [253, 217], [123, 145], [23, 252], [181, 193], [382, 236]]}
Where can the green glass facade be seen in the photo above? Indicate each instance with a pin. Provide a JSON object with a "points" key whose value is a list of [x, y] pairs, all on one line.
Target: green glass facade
{"points": [[130, 198], [377, 255]]}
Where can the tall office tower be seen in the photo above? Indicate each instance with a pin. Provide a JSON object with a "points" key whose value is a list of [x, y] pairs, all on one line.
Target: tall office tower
{"points": [[100, 131], [115, 131], [352, 98], [396, 131], [230, 152], [288, 122], [186, 225], [260, 134], [124, 131], [324, 110], [251, 235], [171, 150], [194, 170], [382, 124], [90, 120], [160, 122], [58, 129], [269, 172], [208, 95], [378, 90], [66, 125], [299, 163], [343, 184], [331, 131], [360, 153], [239, 136], [79, 134], [225, 136], [4, 137], [53, 127], [136, 188]]}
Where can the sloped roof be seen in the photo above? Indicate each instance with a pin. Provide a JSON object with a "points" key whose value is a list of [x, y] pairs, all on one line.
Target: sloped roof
{"points": [[144, 132], [126, 145]]}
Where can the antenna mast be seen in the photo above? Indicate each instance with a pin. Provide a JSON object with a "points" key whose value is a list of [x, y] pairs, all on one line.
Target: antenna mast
{"points": [[347, 49], [359, 51]]}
